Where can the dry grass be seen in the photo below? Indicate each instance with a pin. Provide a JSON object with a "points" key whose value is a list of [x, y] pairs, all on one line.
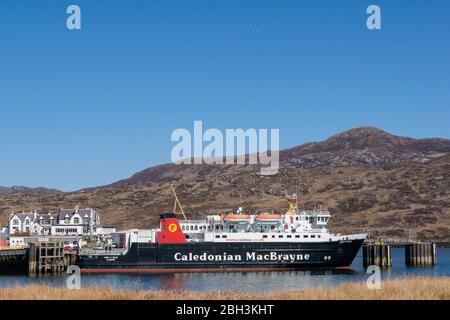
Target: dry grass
{"points": [[423, 288]]}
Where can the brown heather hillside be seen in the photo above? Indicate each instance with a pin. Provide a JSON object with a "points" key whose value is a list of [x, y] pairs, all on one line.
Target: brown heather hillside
{"points": [[370, 180]]}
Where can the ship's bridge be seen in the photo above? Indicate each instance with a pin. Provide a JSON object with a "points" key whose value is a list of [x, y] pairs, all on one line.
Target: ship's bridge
{"points": [[316, 217], [195, 226]]}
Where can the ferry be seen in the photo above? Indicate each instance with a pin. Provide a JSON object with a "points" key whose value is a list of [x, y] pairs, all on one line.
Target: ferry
{"points": [[294, 240]]}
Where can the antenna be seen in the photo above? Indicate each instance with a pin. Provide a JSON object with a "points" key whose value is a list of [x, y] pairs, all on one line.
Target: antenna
{"points": [[177, 202]]}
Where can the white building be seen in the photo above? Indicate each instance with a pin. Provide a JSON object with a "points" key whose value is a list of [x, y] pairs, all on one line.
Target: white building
{"points": [[76, 222], [68, 222], [21, 222], [16, 241]]}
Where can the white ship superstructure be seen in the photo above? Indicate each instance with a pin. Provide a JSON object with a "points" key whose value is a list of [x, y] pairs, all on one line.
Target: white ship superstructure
{"points": [[293, 226]]}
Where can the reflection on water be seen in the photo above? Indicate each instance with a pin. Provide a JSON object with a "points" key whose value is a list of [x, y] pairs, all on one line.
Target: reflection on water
{"points": [[243, 281]]}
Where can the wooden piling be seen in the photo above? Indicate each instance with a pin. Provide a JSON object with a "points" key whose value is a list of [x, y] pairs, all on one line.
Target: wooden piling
{"points": [[32, 257], [434, 256]]}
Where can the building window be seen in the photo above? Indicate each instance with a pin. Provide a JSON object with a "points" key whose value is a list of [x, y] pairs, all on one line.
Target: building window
{"points": [[16, 221], [76, 220]]}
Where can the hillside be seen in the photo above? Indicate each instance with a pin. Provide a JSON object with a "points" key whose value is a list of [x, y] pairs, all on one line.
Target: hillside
{"points": [[371, 180], [20, 190]]}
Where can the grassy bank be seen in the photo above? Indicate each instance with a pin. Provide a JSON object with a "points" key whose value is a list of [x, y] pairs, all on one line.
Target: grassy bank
{"points": [[411, 288]]}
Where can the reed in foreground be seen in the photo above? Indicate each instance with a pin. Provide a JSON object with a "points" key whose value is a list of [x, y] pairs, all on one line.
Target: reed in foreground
{"points": [[435, 288]]}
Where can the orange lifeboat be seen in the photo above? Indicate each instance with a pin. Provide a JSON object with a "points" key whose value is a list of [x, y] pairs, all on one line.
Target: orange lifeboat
{"points": [[236, 218], [267, 217]]}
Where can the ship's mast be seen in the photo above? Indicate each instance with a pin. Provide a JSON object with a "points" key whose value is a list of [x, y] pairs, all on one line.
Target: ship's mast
{"points": [[293, 204], [177, 202]]}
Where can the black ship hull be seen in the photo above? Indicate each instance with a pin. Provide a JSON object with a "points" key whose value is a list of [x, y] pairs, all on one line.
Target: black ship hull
{"points": [[208, 257]]}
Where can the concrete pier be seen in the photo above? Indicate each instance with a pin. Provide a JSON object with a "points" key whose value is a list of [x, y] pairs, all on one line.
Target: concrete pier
{"points": [[38, 258], [377, 254], [13, 261], [420, 254]]}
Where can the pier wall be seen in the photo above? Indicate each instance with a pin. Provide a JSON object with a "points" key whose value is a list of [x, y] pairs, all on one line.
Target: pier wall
{"points": [[38, 258]]}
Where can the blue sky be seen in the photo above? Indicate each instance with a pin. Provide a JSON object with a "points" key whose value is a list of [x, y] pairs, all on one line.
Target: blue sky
{"points": [[85, 108]]}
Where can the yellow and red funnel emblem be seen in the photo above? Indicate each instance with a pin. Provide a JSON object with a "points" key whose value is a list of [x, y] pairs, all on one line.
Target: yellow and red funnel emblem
{"points": [[172, 227]]}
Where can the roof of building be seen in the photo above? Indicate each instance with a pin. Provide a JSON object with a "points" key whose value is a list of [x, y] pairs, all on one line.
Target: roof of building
{"points": [[71, 212], [46, 218], [22, 216], [60, 215]]}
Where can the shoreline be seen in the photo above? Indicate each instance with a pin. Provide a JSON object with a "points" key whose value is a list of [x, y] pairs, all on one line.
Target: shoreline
{"points": [[411, 288]]}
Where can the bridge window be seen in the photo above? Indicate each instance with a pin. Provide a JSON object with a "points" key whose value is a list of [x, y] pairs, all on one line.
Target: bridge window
{"points": [[305, 236], [297, 236]]}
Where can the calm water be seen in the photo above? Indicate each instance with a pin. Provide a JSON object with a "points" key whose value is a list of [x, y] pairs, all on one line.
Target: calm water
{"points": [[248, 281]]}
